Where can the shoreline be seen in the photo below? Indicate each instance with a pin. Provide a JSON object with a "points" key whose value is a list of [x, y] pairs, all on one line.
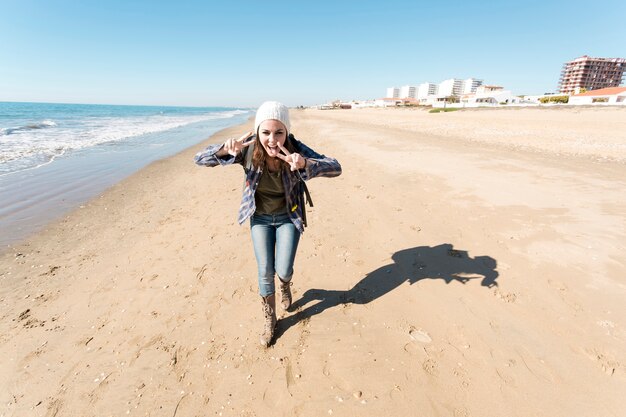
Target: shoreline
{"points": [[432, 274], [33, 198]]}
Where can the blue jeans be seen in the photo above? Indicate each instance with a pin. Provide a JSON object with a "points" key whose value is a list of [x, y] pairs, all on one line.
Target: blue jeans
{"points": [[275, 240]]}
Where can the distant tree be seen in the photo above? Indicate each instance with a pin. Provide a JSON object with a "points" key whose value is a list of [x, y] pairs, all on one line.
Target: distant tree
{"points": [[554, 99]]}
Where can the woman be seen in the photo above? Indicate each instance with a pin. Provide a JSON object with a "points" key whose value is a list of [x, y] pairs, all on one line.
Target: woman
{"points": [[276, 165]]}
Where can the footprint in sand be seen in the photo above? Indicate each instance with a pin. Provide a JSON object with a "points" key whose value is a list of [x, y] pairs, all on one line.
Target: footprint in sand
{"points": [[607, 362], [506, 297], [419, 335], [430, 366]]}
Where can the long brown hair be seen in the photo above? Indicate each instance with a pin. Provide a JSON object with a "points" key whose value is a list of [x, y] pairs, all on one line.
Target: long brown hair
{"points": [[259, 155]]}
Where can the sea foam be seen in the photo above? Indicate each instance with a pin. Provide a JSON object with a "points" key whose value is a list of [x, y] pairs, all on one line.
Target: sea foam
{"points": [[32, 144]]}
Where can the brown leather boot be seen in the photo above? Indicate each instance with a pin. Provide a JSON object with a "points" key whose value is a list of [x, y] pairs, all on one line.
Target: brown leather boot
{"points": [[285, 294], [269, 319]]}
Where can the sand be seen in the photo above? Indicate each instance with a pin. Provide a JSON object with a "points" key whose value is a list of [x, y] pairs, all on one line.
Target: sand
{"points": [[465, 264]]}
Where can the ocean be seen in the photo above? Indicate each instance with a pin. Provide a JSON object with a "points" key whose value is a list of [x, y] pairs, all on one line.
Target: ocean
{"points": [[53, 157]]}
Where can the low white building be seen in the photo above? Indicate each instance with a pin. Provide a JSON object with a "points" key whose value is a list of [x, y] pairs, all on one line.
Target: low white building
{"points": [[485, 96], [394, 102], [611, 95], [493, 96], [429, 100], [486, 89], [362, 104]]}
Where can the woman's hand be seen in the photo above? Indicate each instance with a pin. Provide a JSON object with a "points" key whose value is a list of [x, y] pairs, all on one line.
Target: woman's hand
{"points": [[234, 146], [295, 160]]}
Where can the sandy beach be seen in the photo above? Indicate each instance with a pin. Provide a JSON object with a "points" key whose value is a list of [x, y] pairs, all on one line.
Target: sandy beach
{"points": [[464, 264]]}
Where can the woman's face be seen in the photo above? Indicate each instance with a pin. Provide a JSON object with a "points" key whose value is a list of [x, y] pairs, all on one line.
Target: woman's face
{"points": [[271, 133]]}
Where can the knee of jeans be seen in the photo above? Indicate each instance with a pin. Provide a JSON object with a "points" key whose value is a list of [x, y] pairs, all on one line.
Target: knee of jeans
{"points": [[266, 271], [288, 279], [285, 275]]}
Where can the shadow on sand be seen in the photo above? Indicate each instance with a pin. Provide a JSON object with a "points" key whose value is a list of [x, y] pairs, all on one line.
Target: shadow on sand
{"points": [[409, 265]]}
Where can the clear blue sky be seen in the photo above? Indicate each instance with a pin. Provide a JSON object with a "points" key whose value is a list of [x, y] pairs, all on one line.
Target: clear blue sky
{"points": [[240, 53]]}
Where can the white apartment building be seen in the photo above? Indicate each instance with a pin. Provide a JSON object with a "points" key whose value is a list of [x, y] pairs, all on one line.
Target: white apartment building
{"points": [[393, 92], [426, 89], [470, 85], [408, 91], [427, 92], [450, 87]]}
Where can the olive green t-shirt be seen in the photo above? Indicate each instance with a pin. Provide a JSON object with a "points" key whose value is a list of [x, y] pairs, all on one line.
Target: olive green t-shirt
{"points": [[270, 194]]}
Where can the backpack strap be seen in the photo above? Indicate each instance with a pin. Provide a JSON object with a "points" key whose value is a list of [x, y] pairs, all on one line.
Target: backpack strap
{"points": [[249, 152], [306, 192], [303, 199]]}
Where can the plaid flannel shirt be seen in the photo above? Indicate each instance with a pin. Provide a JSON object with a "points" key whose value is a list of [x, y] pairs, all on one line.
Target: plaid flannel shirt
{"points": [[317, 165]]}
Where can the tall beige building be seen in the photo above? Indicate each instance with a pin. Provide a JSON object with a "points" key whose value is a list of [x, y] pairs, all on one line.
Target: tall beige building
{"points": [[591, 73]]}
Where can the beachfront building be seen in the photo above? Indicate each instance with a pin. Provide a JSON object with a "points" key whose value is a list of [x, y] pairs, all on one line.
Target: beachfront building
{"points": [[493, 95], [395, 102], [359, 104], [393, 92], [407, 91], [612, 95], [484, 89], [591, 74], [450, 87], [430, 93], [485, 96], [426, 89], [470, 85]]}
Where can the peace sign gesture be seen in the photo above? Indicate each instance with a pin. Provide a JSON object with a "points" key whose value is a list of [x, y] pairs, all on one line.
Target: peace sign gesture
{"points": [[234, 146], [294, 159]]}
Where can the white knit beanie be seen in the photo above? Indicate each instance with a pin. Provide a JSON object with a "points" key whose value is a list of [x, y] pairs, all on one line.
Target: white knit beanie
{"points": [[272, 110]]}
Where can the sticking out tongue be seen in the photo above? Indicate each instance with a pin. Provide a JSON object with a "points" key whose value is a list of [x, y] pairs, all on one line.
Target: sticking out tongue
{"points": [[272, 151]]}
